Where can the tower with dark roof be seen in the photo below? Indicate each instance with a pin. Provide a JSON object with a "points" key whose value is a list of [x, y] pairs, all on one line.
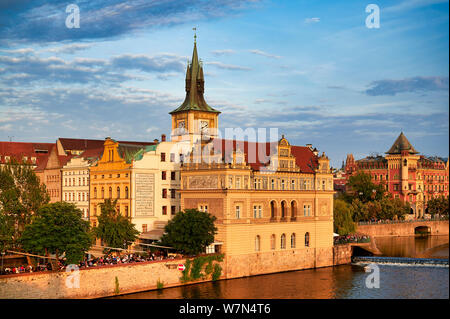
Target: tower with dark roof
{"points": [[194, 118]]}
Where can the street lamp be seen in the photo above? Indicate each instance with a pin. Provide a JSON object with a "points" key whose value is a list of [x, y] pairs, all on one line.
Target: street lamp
{"points": [[3, 254]]}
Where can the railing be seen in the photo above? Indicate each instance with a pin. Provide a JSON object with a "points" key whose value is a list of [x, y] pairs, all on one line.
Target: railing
{"points": [[354, 238], [437, 218]]}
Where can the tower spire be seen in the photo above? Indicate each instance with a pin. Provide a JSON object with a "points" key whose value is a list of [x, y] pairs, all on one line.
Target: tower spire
{"points": [[194, 85]]}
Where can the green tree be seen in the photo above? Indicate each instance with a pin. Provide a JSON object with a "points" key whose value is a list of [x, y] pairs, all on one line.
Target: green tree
{"points": [[21, 195], [362, 188], [438, 206], [190, 231], [343, 222], [58, 228], [114, 229], [6, 232], [359, 211]]}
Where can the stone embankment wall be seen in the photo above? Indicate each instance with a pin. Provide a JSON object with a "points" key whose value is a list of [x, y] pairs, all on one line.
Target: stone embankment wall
{"points": [[93, 282], [101, 281], [403, 229]]}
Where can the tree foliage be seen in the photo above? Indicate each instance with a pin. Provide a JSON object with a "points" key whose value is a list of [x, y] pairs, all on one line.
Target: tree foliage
{"points": [[56, 229], [114, 229], [438, 205], [190, 231], [362, 188], [342, 215], [21, 195]]}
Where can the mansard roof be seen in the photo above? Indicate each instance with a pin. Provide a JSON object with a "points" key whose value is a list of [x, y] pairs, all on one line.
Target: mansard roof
{"points": [[401, 144]]}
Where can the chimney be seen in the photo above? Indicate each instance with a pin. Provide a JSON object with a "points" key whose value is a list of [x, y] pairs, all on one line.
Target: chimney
{"points": [[163, 137]]}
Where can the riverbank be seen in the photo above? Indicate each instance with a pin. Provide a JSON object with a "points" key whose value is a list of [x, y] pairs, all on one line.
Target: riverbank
{"points": [[106, 281]]}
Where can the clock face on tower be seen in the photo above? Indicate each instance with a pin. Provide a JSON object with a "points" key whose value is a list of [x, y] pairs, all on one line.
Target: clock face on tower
{"points": [[204, 126]]}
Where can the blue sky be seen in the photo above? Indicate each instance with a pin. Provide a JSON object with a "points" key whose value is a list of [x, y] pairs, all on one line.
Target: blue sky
{"points": [[310, 68]]}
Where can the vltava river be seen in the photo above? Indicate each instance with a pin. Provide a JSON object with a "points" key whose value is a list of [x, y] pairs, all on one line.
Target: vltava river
{"points": [[342, 282]]}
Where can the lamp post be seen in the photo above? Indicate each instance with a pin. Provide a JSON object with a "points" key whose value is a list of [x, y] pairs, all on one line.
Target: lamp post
{"points": [[3, 254]]}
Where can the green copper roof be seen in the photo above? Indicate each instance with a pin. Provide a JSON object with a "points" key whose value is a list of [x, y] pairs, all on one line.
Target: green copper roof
{"points": [[195, 81], [401, 144], [130, 152]]}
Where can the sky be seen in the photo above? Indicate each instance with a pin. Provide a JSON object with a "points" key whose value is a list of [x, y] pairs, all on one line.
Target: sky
{"points": [[311, 69]]}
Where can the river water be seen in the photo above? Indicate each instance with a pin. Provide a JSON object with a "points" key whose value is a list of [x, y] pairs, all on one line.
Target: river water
{"points": [[341, 282]]}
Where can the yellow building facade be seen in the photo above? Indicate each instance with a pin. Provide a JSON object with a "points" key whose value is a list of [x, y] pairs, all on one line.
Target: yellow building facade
{"points": [[271, 216]]}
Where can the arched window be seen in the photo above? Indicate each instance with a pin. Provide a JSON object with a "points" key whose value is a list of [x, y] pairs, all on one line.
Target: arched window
{"points": [[95, 192], [110, 192], [293, 240], [283, 241], [118, 192], [103, 192], [283, 209], [293, 209], [307, 240], [273, 209], [257, 243], [126, 191], [272, 242]]}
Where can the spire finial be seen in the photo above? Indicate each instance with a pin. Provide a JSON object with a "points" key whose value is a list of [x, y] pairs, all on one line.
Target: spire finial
{"points": [[195, 34]]}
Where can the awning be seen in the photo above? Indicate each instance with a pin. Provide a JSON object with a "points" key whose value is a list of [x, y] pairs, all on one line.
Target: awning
{"points": [[154, 234]]}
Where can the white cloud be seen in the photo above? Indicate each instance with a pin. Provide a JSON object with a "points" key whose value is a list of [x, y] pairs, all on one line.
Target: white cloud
{"points": [[259, 52]]}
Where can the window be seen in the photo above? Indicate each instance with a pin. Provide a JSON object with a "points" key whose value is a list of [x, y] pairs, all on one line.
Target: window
{"points": [[203, 208], [283, 242], [173, 210], [163, 175], [110, 192], [230, 182], [323, 185], [144, 228], [164, 210], [272, 242], [238, 212], [293, 184], [163, 157], [307, 240], [173, 175], [118, 192], [255, 211], [103, 192], [293, 240], [172, 193], [126, 211], [282, 184], [238, 182], [257, 243], [126, 191], [306, 210], [273, 183], [164, 193], [272, 209]]}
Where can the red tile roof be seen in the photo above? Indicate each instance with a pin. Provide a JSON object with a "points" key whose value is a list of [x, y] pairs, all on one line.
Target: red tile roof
{"points": [[304, 157], [17, 150]]}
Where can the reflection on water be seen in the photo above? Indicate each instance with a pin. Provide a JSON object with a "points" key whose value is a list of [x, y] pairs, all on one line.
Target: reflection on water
{"points": [[343, 282], [418, 246]]}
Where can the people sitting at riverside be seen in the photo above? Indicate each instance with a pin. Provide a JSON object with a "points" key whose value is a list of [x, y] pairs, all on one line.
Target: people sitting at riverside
{"points": [[108, 259]]}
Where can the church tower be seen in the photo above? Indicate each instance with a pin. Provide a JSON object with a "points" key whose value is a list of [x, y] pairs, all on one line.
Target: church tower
{"points": [[194, 119]]}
